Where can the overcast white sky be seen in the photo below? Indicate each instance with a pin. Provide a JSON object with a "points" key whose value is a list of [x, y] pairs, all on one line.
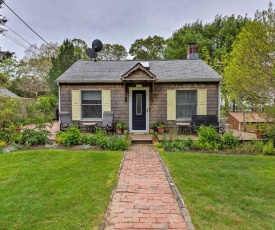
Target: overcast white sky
{"points": [[112, 21]]}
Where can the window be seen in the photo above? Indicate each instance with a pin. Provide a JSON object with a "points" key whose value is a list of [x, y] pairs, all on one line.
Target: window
{"points": [[91, 104], [186, 103]]}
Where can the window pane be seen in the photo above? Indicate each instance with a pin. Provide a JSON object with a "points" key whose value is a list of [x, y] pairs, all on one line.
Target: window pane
{"points": [[138, 104], [91, 104], [91, 111], [91, 97], [186, 102]]}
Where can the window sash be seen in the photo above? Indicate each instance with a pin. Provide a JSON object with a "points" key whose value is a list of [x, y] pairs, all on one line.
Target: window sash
{"points": [[91, 104], [186, 103]]}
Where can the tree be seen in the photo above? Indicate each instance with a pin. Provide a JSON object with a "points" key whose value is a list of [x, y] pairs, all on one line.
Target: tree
{"points": [[151, 48], [9, 70], [214, 39], [80, 47], [37, 60], [249, 76], [113, 52], [3, 21], [64, 60]]}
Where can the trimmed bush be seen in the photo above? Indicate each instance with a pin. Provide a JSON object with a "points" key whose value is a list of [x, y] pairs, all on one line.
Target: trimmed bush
{"points": [[71, 137], [208, 139], [33, 137], [229, 141]]}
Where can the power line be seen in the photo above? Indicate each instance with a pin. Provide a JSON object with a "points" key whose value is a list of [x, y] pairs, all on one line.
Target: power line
{"points": [[25, 23], [18, 35], [14, 40]]}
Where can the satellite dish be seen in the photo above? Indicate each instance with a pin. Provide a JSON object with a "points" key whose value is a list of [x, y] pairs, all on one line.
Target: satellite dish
{"points": [[97, 45], [89, 52]]}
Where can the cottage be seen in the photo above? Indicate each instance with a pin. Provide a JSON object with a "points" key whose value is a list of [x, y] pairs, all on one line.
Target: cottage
{"points": [[140, 92], [252, 119]]}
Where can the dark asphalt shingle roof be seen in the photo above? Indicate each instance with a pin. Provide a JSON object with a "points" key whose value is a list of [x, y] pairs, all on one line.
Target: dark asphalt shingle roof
{"points": [[7, 93], [165, 71]]}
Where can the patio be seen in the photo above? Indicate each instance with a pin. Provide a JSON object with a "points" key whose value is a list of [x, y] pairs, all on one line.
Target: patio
{"points": [[147, 137]]}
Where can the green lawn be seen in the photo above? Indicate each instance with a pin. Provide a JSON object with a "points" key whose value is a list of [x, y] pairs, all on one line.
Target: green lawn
{"points": [[225, 191], [56, 189]]}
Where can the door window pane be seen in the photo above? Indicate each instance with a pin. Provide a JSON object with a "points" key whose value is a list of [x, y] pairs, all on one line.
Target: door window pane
{"points": [[138, 104], [186, 102], [91, 104]]}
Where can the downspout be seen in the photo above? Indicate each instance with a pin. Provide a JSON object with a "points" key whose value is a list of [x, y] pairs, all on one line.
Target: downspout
{"points": [[219, 101], [59, 100]]}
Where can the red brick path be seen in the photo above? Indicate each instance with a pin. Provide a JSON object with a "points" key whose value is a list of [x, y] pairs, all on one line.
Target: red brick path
{"points": [[143, 198]]}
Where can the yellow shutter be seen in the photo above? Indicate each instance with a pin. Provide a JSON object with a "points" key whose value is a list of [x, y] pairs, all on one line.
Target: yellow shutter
{"points": [[171, 105], [106, 100], [76, 105], [202, 101]]}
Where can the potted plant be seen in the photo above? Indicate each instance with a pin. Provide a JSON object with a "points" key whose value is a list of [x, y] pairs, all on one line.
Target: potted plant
{"points": [[155, 137], [153, 128], [120, 126], [160, 126], [128, 136]]}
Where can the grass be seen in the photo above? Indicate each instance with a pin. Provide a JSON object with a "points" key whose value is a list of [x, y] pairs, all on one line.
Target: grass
{"points": [[56, 189], [225, 191]]}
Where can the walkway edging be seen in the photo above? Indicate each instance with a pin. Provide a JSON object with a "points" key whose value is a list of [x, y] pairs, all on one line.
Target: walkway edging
{"points": [[176, 193], [113, 192]]}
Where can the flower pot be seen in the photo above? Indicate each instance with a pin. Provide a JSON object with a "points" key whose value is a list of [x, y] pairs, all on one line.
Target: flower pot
{"points": [[120, 131], [160, 130]]}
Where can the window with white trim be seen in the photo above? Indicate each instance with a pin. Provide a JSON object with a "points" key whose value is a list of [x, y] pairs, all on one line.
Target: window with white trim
{"points": [[91, 104], [186, 103]]}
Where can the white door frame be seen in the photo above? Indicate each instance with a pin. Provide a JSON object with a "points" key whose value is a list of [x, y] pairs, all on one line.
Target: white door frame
{"points": [[131, 89]]}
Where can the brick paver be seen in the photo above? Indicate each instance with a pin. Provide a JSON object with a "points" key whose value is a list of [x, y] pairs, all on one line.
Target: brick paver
{"points": [[143, 198]]}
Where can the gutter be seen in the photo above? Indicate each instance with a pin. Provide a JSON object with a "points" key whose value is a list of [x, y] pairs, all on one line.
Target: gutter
{"points": [[158, 81]]}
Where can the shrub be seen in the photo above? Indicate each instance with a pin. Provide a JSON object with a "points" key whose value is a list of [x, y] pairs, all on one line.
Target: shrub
{"points": [[88, 139], [10, 135], [176, 145], [229, 141], [209, 138], [71, 136], [258, 145], [33, 137], [268, 148], [117, 143], [268, 132], [247, 147], [2, 144]]}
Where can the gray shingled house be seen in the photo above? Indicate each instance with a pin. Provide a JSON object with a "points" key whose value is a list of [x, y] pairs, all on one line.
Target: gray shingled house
{"points": [[140, 92]]}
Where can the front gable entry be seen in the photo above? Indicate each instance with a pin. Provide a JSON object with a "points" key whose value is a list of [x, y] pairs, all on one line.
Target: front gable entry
{"points": [[139, 76]]}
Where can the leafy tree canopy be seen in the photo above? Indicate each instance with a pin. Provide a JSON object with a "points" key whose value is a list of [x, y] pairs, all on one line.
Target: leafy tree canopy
{"points": [[112, 52], [249, 76], [3, 21], [151, 48], [64, 60]]}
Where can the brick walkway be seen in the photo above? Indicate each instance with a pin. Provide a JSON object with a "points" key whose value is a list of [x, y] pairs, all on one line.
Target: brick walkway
{"points": [[143, 198]]}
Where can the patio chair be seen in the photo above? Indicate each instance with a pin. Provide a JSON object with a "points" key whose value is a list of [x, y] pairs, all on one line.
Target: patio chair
{"points": [[66, 120], [107, 121]]}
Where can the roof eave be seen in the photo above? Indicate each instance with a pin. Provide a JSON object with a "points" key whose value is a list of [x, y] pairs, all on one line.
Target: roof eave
{"points": [[158, 80], [189, 80]]}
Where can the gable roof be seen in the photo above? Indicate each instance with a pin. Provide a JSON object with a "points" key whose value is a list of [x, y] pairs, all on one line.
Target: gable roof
{"points": [[147, 74], [165, 71], [7, 93], [249, 117]]}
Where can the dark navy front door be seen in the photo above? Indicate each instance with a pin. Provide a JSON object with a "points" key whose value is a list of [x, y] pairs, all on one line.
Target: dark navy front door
{"points": [[139, 110]]}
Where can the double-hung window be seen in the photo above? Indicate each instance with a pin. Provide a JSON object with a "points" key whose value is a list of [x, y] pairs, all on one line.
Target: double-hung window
{"points": [[91, 104], [186, 103]]}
